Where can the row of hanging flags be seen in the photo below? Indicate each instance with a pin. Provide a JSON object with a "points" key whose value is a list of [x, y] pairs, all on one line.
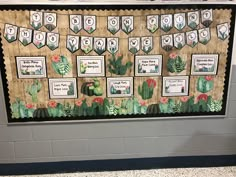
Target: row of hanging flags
{"points": [[111, 44]]}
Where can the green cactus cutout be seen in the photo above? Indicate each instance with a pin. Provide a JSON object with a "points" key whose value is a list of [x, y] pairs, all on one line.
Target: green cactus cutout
{"points": [[33, 90], [146, 91], [19, 110], [204, 85], [175, 64], [61, 65]]}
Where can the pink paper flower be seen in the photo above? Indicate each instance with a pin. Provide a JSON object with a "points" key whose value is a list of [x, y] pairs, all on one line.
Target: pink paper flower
{"points": [[208, 78], [56, 58], [164, 100], [184, 99], [29, 106], [142, 103], [173, 56], [52, 104]]}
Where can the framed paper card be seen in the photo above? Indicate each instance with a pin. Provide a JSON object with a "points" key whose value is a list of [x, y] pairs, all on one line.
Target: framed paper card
{"points": [[62, 88], [120, 87], [204, 64], [89, 66], [31, 67], [175, 86], [148, 65]]}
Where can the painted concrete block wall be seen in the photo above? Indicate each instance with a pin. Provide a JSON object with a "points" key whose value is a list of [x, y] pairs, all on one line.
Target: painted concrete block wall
{"points": [[120, 139]]}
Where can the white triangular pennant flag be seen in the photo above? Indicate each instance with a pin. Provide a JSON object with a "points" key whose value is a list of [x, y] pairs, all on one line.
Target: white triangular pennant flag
{"points": [[86, 44], [76, 23], [166, 22], [39, 39], [99, 45], [53, 40], [206, 17], [36, 19], [127, 24], [50, 21], [25, 36], [223, 31], [72, 43], [179, 21], [147, 44], [193, 19], [134, 44], [204, 35], [10, 32], [167, 42], [152, 23], [192, 38], [90, 23], [179, 40], [112, 45], [113, 24]]}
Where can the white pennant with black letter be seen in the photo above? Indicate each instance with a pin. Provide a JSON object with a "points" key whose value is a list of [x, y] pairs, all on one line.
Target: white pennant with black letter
{"points": [[50, 21], [75, 23], [99, 45], [167, 42], [112, 45], [152, 23], [179, 21], [193, 19], [113, 24], [134, 44], [127, 24], [36, 19], [86, 44], [166, 22], [39, 39], [10, 32], [179, 40], [206, 17], [25, 36], [192, 38], [53, 40], [147, 44], [90, 23], [72, 43], [204, 35]]}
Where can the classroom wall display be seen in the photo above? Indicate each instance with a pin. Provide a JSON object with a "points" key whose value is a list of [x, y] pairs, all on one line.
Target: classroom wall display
{"points": [[91, 64]]}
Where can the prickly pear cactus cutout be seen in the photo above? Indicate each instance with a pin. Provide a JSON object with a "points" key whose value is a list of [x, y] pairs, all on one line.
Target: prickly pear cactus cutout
{"points": [[61, 65]]}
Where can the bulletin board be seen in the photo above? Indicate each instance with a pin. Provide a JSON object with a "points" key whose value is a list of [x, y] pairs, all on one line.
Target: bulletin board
{"points": [[124, 62]]}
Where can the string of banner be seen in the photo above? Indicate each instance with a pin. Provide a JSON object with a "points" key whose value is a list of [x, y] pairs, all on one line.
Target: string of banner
{"points": [[115, 23]]}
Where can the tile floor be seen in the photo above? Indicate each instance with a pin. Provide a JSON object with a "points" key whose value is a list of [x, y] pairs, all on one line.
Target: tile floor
{"points": [[186, 172]]}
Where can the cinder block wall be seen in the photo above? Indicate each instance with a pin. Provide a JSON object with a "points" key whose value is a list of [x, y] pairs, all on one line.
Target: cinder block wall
{"points": [[119, 139]]}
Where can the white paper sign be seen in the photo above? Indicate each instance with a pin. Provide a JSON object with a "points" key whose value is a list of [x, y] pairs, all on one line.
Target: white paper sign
{"points": [[50, 21], [120, 87], [36, 19], [25, 36], [134, 44], [75, 23], [127, 24], [10, 32], [152, 23], [31, 67], [90, 23], [63, 88], [179, 21], [175, 86], [148, 65], [112, 45], [89, 66], [53, 40], [72, 43], [204, 64], [193, 19], [113, 24], [39, 39], [86, 44]]}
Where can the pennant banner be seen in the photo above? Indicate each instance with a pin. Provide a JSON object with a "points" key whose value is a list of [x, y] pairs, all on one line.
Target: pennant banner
{"points": [[147, 44], [99, 45], [204, 35], [179, 40], [72, 43], [206, 17], [127, 24], [50, 21], [192, 38], [75, 23], [53, 40], [39, 39], [113, 24], [36, 19], [193, 19], [223, 31], [86, 44], [90, 23], [166, 22], [134, 44], [112, 45], [179, 21], [167, 42], [152, 23], [10, 32], [25, 36]]}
